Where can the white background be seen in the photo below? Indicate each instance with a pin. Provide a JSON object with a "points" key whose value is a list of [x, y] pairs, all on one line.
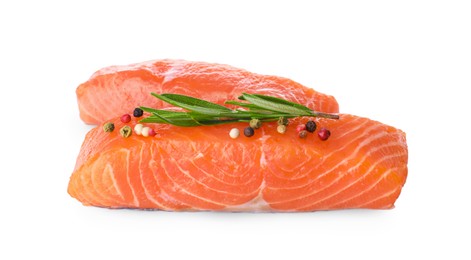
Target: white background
{"points": [[404, 63]]}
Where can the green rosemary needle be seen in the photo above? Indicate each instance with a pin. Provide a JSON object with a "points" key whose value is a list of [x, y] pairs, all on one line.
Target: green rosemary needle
{"points": [[201, 112]]}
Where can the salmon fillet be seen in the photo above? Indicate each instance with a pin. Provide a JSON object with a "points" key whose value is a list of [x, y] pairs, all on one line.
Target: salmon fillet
{"points": [[362, 165], [116, 90]]}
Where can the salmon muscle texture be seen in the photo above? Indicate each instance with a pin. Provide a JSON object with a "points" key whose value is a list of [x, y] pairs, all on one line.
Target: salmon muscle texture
{"points": [[116, 90], [362, 165]]}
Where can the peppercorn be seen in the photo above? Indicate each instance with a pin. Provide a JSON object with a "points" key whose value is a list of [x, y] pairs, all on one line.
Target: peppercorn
{"points": [[145, 131], [303, 134], [108, 127], [323, 134], [300, 128], [138, 128], [311, 126], [152, 132], [249, 131], [234, 133], [283, 121], [125, 131], [255, 123], [138, 112], [126, 118], [281, 129]]}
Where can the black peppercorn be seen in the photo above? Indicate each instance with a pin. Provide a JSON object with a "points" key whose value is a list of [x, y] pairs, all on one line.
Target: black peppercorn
{"points": [[249, 131], [138, 112], [311, 126]]}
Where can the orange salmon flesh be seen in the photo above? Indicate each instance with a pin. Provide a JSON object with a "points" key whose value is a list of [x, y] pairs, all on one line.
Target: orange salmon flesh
{"points": [[362, 165], [116, 90]]}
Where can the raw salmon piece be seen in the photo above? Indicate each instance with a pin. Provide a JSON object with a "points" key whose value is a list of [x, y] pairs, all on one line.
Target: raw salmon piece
{"points": [[116, 90], [362, 165]]}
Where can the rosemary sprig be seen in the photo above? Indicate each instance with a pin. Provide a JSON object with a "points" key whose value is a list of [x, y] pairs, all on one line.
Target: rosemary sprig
{"points": [[201, 112]]}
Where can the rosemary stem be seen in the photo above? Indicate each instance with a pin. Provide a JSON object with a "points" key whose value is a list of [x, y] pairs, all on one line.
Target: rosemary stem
{"points": [[325, 115]]}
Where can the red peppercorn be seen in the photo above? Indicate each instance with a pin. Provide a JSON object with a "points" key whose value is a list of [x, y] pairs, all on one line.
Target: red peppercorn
{"points": [[300, 128], [323, 134], [152, 132], [126, 118]]}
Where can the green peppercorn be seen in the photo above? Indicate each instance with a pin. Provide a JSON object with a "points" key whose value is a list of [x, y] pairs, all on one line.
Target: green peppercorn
{"points": [[248, 131], [108, 127], [125, 131], [311, 126], [283, 121], [255, 123]]}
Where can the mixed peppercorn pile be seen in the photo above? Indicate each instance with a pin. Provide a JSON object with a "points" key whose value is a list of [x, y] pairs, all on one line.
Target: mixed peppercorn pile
{"points": [[139, 129]]}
